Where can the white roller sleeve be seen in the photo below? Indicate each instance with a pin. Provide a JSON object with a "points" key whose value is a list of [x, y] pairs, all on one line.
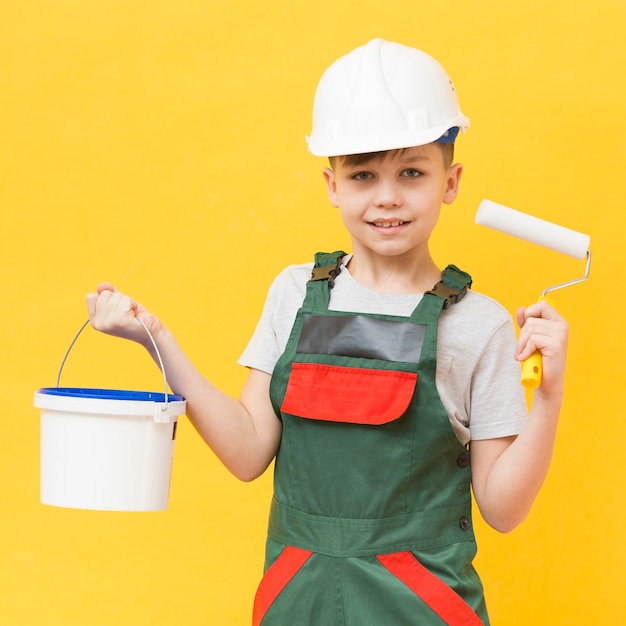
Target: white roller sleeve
{"points": [[532, 229]]}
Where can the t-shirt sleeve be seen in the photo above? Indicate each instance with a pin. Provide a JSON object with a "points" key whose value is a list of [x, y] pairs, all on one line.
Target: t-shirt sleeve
{"points": [[284, 298], [498, 400], [262, 350], [477, 376]]}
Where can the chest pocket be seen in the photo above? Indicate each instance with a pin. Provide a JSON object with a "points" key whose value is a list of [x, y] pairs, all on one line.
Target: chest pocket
{"points": [[354, 368]]}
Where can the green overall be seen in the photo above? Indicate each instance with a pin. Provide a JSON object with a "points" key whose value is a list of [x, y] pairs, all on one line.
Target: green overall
{"points": [[370, 522]]}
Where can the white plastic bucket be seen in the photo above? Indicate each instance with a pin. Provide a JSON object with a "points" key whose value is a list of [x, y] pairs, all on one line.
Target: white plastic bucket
{"points": [[107, 449]]}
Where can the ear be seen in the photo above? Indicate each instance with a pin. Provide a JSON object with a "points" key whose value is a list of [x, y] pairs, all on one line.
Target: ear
{"points": [[331, 186], [453, 181]]}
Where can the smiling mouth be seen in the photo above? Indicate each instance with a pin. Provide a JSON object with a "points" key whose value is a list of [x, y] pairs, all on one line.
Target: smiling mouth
{"points": [[387, 224]]}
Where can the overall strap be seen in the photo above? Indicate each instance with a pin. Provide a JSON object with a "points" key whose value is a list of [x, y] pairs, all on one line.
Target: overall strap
{"points": [[452, 287], [449, 290], [327, 267]]}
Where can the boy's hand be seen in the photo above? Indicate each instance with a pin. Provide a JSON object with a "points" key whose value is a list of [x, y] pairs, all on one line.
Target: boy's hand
{"points": [[543, 329], [114, 313]]}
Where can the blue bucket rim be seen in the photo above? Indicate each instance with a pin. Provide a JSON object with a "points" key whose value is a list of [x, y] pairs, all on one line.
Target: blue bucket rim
{"points": [[110, 394]]}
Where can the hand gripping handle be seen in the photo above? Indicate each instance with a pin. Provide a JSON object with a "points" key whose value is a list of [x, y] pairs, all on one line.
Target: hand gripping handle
{"points": [[532, 367]]}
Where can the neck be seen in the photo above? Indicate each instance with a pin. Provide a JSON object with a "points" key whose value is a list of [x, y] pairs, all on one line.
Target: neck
{"points": [[395, 274]]}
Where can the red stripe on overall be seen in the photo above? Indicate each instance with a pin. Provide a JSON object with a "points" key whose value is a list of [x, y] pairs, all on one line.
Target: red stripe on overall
{"points": [[443, 600], [276, 579]]}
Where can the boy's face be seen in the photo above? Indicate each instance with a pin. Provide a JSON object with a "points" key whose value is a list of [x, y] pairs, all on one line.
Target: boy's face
{"points": [[391, 205]]}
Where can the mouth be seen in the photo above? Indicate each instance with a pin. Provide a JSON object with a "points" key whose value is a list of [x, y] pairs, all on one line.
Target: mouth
{"points": [[387, 223]]}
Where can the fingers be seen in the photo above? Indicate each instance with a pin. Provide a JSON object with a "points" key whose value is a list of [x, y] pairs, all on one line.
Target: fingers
{"points": [[543, 329], [542, 309], [106, 286], [115, 313], [92, 298], [112, 312], [537, 334]]}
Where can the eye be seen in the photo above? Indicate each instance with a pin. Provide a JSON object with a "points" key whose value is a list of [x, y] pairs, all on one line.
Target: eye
{"points": [[361, 176], [411, 173]]}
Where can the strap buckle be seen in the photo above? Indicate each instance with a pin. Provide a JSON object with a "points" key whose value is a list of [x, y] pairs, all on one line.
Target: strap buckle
{"points": [[327, 272], [451, 295]]}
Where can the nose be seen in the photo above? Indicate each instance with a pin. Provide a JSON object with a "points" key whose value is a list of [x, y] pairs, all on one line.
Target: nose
{"points": [[387, 194]]}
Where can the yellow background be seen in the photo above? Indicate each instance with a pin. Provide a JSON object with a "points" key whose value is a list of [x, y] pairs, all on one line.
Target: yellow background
{"points": [[160, 145]]}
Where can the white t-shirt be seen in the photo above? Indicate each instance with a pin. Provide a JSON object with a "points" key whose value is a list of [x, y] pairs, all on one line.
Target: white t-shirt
{"points": [[477, 377]]}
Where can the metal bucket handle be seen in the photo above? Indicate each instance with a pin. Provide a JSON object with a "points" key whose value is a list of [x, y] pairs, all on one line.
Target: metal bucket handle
{"points": [[163, 416]]}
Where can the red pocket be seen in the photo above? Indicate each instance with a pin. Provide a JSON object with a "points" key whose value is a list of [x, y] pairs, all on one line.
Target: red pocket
{"points": [[348, 394]]}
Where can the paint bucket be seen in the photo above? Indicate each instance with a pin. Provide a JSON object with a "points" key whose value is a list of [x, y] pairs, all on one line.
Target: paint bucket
{"points": [[107, 449]]}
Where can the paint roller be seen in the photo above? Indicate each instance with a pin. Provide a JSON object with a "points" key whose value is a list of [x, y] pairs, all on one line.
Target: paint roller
{"points": [[542, 233]]}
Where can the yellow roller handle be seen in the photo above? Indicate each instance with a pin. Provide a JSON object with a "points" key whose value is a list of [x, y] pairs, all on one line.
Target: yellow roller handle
{"points": [[532, 367], [531, 371]]}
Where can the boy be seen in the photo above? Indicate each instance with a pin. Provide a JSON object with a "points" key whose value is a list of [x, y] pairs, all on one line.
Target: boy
{"points": [[373, 376]]}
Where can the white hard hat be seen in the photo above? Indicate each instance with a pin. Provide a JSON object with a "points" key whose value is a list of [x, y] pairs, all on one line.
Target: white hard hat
{"points": [[383, 96]]}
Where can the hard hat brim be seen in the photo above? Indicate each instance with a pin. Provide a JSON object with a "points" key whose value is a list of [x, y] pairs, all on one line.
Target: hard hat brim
{"points": [[372, 143]]}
